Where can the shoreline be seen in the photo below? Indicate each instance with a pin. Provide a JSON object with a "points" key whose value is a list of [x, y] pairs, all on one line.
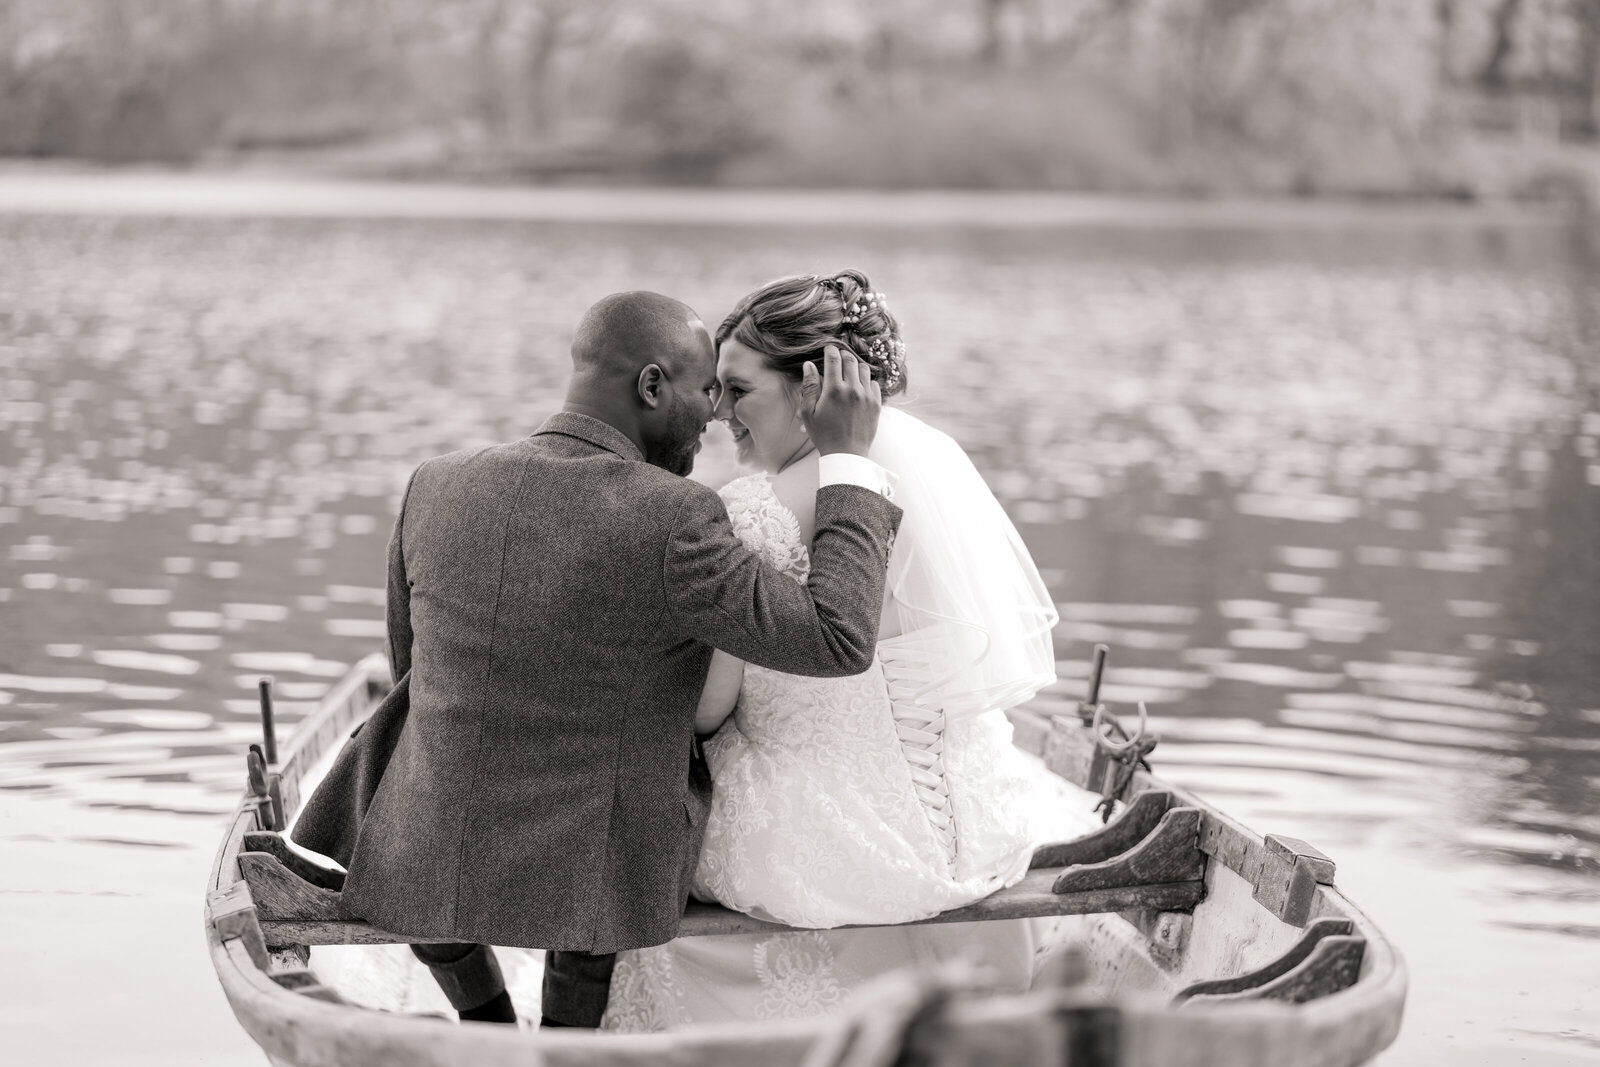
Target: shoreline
{"points": [[60, 190]]}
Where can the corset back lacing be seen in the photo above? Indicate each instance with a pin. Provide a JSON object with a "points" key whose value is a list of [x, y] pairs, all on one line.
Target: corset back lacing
{"points": [[920, 726]]}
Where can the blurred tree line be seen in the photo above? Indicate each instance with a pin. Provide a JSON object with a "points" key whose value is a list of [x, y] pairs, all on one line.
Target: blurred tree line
{"points": [[1433, 97]]}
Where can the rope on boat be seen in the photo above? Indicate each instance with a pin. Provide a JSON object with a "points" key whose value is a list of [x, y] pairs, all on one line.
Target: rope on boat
{"points": [[1126, 751]]}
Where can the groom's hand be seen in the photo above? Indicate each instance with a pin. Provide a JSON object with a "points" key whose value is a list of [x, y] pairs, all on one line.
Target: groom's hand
{"points": [[840, 406]]}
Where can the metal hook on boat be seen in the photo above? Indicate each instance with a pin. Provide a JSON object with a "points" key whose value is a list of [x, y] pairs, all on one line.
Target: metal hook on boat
{"points": [[1106, 739], [1122, 757]]}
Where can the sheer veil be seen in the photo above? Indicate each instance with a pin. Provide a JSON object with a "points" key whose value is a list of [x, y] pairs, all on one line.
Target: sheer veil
{"points": [[975, 616]]}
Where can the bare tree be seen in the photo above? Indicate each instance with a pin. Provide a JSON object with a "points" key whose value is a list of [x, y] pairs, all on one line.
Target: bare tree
{"points": [[1494, 74], [1586, 14], [1089, 21], [554, 25]]}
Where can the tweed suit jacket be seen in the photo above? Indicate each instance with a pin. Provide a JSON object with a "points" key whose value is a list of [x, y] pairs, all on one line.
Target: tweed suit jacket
{"points": [[552, 608]]}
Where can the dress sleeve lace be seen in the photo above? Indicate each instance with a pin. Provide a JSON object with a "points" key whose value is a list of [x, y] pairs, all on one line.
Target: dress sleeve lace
{"points": [[765, 526]]}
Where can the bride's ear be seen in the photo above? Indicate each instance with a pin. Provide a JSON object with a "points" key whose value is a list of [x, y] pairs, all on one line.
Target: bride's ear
{"points": [[797, 403], [650, 385]]}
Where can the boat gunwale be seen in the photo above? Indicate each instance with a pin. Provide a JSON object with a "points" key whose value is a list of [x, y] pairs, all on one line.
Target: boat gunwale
{"points": [[303, 1030]]}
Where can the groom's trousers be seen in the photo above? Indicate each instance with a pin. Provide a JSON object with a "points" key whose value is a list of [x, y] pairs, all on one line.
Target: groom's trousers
{"points": [[576, 986], [469, 974]]}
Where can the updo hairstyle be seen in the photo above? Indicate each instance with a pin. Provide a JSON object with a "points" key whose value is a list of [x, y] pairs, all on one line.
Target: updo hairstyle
{"points": [[790, 320]]}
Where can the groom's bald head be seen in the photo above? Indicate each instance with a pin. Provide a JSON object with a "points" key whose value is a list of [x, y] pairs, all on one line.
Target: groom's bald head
{"points": [[624, 332], [644, 363]]}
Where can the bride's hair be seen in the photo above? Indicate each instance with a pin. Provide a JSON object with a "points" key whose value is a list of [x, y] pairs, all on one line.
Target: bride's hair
{"points": [[790, 320]]}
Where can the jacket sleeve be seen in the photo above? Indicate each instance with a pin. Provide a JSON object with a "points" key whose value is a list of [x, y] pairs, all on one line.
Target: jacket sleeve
{"points": [[720, 592], [398, 598]]}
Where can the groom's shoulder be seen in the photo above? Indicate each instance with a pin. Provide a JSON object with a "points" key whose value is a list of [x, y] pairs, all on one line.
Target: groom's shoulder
{"points": [[609, 482], [662, 488], [454, 463]]}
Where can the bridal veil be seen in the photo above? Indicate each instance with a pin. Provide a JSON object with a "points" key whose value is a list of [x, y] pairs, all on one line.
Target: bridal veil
{"points": [[975, 616]]}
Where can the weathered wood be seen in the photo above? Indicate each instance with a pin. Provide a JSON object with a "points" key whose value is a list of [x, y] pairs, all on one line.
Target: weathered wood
{"points": [[1339, 1030], [289, 791], [1069, 752], [269, 812], [274, 845], [1097, 670], [306, 1032], [279, 893], [255, 770], [287, 958], [232, 912], [1233, 846], [1167, 932], [1286, 889], [275, 796], [1284, 871], [278, 932], [1170, 853], [1294, 850], [307, 984], [1032, 897], [294, 910], [1121, 834], [225, 869], [1332, 964], [1290, 872], [1277, 968], [269, 729]]}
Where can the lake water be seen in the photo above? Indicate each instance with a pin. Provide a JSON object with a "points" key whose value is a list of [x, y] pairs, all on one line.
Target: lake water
{"points": [[1329, 485]]}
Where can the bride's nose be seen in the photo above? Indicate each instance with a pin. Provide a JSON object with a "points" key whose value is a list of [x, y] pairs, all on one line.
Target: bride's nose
{"points": [[722, 408]]}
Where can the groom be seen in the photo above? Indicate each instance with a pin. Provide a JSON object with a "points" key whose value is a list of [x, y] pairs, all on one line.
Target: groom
{"points": [[553, 603]]}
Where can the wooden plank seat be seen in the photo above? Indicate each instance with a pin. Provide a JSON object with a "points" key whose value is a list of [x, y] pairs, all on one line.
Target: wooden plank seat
{"points": [[294, 910], [1148, 860]]}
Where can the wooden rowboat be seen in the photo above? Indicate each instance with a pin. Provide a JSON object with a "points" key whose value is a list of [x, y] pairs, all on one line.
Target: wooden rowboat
{"points": [[1198, 943]]}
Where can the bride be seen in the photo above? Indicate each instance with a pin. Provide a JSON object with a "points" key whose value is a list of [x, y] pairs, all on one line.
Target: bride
{"points": [[878, 799]]}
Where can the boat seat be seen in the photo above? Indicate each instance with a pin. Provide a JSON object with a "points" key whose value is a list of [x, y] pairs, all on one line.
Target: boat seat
{"points": [[1147, 860]]}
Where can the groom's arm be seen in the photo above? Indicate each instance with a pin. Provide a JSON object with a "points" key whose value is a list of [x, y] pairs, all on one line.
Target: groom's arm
{"points": [[721, 593]]}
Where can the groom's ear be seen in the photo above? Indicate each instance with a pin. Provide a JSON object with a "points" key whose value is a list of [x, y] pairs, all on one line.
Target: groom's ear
{"points": [[651, 383]]}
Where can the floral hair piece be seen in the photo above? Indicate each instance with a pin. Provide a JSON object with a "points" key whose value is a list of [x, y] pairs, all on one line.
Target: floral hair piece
{"points": [[864, 303], [888, 355]]}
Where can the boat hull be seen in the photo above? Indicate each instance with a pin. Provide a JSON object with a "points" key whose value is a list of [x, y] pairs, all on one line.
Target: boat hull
{"points": [[1123, 1015]]}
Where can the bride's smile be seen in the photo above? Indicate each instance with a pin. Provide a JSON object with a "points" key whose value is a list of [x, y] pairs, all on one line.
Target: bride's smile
{"points": [[761, 408]]}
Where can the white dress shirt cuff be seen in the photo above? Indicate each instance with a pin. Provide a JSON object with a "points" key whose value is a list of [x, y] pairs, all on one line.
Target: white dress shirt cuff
{"points": [[847, 468]]}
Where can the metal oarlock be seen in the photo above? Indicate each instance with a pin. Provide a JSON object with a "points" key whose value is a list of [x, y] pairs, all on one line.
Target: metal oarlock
{"points": [[268, 815], [1096, 670], [266, 784], [1117, 754]]}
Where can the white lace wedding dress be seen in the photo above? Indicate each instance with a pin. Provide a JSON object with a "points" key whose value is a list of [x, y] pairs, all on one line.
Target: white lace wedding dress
{"points": [[842, 801]]}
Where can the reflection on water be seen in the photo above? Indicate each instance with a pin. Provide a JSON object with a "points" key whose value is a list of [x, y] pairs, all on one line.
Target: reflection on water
{"points": [[1332, 496]]}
